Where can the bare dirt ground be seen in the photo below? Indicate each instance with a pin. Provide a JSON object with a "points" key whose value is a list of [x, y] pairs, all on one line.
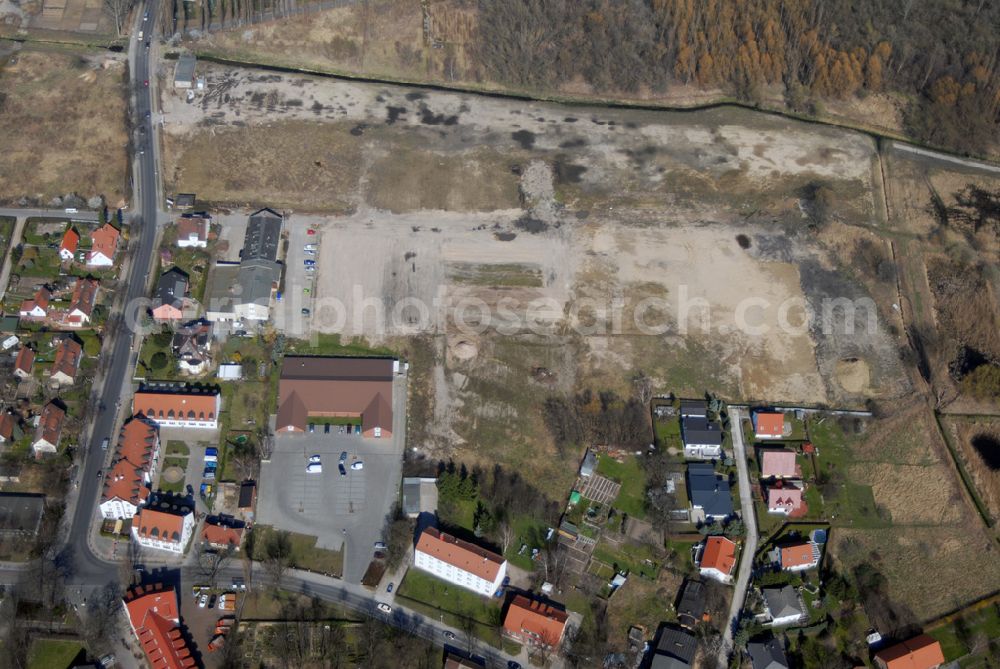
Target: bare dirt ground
{"points": [[574, 228], [62, 129]]}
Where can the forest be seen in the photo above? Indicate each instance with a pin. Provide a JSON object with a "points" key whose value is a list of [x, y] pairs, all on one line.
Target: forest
{"points": [[939, 56]]}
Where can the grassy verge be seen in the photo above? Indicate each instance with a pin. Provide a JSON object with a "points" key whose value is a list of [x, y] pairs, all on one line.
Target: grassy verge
{"points": [[305, 554], [53, 653], [454, 605]]}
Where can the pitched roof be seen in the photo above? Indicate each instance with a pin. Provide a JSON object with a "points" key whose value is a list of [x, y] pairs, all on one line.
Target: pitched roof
{"points": [[779, 463], [51, 423], [708, 490], [767, 654], [719, 553], [691, 608], [172, 286], [84, 296], [782, 602], [25, 359], [544, 621], [700, 430], [67, 358], [920, 652], [179, 403], [222, 535], [193, 225], [262, 236], [468, 557], [133, 458], [769, 422], [154, 523], [41, 300], [335, 385], [797, 555], [105, 240], [675, 644], [70, 240], [7, 424], [155, 621], [789, 497], [694, 408]]}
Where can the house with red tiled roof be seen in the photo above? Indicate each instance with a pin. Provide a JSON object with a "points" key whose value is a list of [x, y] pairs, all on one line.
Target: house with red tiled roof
{"points": [[24, 362], [786, 499], [153, 614], [81, 304], [459, 562], [164, 526], [920, 652], [799, 557], [717, 559], [535, 623], [70, 242], [779, 464], [104, 244], [36, 308], [221, 534], [67, 361], [768, 424], [50, 426], [192, 230], [179, 404], [10, 427], [126, 484]]}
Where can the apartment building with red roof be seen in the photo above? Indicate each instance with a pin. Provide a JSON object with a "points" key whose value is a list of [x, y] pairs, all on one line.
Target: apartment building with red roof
{"points": [[67, 361], [153, 614], [24, 362], [920, 652], [104, 245], [179, 404], [459, 562], [36, 308], [126, 484], [50, 426], [163, 526], [535, 623], [70, 242], [717, 559]]}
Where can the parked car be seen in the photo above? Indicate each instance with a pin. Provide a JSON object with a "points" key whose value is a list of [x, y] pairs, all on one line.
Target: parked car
{"points": [[308, 263], [312, 427], [315, 458], [343, 457], [203, 601], [310, 231], [105, 443], [379, 545], [449, 635], [326, 429], [389, 587], [314, 468], [357, 465], [309, 269], [383, 607], [340, 466], [309, 252], [305, 312], [211, 602], [310, 247], [379, 555]]}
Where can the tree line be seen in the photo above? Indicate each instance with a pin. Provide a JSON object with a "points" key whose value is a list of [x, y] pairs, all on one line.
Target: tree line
{"points": [[940, 54]]}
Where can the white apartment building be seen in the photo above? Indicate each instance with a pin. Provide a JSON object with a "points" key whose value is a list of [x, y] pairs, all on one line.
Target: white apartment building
{"points": [[459, 562], [163, 530]]}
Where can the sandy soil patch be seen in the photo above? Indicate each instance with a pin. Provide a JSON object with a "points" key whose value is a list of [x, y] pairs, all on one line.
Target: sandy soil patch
{"points": [[62, 129], [854, 375]]}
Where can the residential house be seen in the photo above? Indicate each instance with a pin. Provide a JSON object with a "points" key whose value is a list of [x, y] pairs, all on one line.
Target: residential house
{"points": [[104, 245], [702, 438], [535, 623], [674, 649], [67, 361], [20, 514], [332, 387], [767, 654], [81, 304], [191, 346], [920, 652], [179, 404], [164, 526], [786, 499], [694, 409], [68, 246], [779, 464], [691, 605], [223, 532], [768, 424], [24, 362], [799, 557], [10, 427], [126, 485], [50, 426], [783, 606], [171, 289], [459, 562], [38, 307], [709, 493], [717, 559], [192, 230], [154, 616]]}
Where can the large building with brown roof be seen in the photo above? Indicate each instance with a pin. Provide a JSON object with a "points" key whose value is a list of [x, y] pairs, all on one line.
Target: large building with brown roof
{"points": [[920, 652], [534, 623], [329, 387], [164, 526], [459, 562], [155, 620], [126, 485], [179, 404], [50, 425]]}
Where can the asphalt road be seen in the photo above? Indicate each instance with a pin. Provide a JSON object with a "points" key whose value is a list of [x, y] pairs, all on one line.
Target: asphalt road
{"points": [[750, 542]]}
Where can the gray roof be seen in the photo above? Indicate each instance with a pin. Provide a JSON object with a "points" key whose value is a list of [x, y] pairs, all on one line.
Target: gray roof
{"points": [[262, 236], [767, 654], [220, 288], [782, 602], [589, 463], [21, 512], [701, 431], [185, 68], [172, 286], [411, 496], [256, 280], [708, 490], [675, 649], [692, 605], [694, 408]]}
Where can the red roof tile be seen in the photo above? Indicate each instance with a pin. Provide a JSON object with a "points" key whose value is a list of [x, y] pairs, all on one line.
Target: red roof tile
{"points": [[720, 554], [921, 652], [67, 358], [797, 555], [70, 241], [25, 360], [535, 619], [220, 535], [137, 443], [461, 554], [154, 618], [105, 241], [770, 423]]}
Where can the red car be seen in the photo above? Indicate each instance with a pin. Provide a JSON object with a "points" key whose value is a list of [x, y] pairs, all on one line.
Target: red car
{"points": [[146, 83], [310, 231]]}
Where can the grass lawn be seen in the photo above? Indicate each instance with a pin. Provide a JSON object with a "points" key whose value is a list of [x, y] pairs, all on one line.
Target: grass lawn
{"points": [[39, 261], [636, 558], [668, 433], [454, 605], [305, 554], [527, 531], [985, 622], [52, 654], [330, 344], [846, 503], [632, 496], [167, 486], [177, 448]]}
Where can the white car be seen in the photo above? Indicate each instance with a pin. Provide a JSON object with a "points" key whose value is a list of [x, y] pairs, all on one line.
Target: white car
{"points": [[314, 458], [314, 468], [309, 247], [357, 465], [309, 252], [383, 607], [203, 601], [310, 269]]}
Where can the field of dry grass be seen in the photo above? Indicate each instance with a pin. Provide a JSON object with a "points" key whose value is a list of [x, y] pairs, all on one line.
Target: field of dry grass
{"points": [[62, 126], [915, 495], [965, 434], [906, 438]]}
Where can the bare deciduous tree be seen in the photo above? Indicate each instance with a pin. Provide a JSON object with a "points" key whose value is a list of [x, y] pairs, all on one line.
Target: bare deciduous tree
{"points": [[118, 11]]}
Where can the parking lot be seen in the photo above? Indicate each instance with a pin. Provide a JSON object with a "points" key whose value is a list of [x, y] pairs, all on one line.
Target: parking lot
{"points": [[328, 505], [288, 314]]}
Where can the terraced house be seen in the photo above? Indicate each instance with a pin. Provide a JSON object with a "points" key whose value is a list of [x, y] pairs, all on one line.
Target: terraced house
{"points": [[179, 404], [126, 485]]}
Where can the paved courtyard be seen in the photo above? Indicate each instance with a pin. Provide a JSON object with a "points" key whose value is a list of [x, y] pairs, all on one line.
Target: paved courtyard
{"points": [[327, 505]]}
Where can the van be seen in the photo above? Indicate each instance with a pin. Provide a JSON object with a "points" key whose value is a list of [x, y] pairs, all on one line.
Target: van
{"points": [[71, 210]]}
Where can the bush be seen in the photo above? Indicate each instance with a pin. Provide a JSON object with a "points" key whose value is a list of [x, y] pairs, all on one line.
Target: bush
{"points": [[159, 361]]}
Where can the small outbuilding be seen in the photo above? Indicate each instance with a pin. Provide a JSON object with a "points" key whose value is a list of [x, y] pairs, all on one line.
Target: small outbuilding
{"points": [[184, 71]]}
